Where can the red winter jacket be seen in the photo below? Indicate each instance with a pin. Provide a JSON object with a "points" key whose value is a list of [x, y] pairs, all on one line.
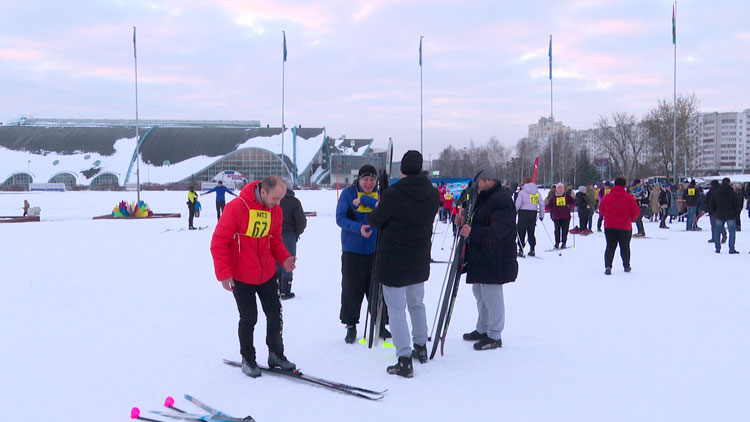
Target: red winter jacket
{"points": [[245, 246], [619, 209]]}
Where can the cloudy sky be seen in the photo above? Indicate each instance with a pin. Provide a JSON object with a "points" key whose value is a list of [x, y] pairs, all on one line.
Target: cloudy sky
{"points": [[353, 66]]}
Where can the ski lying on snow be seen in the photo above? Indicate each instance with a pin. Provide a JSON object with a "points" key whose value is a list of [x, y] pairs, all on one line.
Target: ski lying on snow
{"points": [[333, 385], [208, 408], [196, 417], [558, 249]]}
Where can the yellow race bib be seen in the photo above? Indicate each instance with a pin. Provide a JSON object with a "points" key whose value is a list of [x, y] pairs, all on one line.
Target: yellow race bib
{"points": [[534, 198], [691, 191], [560, 201], [362, 207], [606, 191], [259, 224]]}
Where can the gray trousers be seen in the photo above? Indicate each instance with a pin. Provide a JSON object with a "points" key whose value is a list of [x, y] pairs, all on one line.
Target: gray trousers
{"points": [[491, 308], [398, 299]]}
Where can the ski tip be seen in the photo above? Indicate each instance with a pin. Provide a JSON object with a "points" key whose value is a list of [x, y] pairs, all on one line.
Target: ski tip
{"points": [[169, 401], [135, 413]]}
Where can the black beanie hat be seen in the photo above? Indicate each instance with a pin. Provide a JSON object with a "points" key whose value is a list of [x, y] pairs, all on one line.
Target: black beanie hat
{"points": [[367, 170], [411, 163]]}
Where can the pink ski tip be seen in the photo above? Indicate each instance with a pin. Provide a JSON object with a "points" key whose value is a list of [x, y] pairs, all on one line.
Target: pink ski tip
{"points": [[135, 413], [169, 401]]}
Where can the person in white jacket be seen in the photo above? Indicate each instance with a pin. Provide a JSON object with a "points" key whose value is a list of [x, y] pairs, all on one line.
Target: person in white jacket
{"points": [[528, 204]]}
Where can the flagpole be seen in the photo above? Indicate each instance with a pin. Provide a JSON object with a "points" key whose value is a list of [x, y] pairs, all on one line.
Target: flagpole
{"points": [[421, 115], [137, 135], [552, 116], [674, 132], [283, 63]]}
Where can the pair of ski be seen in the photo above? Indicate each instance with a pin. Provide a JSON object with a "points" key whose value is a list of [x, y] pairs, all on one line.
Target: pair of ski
{"points": [[453, 277], [351, 390], [213, 415]]}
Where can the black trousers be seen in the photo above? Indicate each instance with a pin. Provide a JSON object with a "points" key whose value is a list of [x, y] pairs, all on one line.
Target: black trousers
{"points": [[527, 224], [191, 214], [268, 293], [220, 208], [356, 276], [583, 218], [639, 221], [617, 237], [561, 230]]}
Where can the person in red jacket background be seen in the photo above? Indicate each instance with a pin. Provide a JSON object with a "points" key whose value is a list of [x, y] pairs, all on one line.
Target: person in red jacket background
{"points": [[620, 211], [245, 247]]}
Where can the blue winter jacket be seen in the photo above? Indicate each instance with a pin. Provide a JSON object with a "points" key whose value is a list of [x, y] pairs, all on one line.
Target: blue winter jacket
{"points": [[220, 191], [351, 219]]}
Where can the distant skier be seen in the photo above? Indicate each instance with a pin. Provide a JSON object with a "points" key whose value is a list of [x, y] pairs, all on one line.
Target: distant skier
{"points": [[191, 203], [528, 204], [26, 207], [490, 259], [584, 209], [246, 245], [560, 206], [404, 215], [294, 224], [221, 202], [620, 211]]}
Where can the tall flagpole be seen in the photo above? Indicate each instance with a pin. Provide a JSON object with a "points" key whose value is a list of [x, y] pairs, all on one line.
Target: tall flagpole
{"points": [[552, 117], [137, 135], [283, 63], [674, 133], [421, 115]]}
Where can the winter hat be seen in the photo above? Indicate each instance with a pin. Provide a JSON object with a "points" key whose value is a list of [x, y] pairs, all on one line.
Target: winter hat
{"points": [[607, 183], [367, 170], [580, 188], [289, 184], [411, 163], [560, 185], [527, 180]]}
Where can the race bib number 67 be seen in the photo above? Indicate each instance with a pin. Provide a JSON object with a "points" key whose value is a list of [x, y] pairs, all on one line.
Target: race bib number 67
{"points": [[259, 224]]}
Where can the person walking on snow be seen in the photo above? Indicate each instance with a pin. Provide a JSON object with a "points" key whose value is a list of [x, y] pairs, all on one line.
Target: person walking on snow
{"points": [[246, 245], [490, 259], [528, 204], [191, 203], [404, 217], [620, 211], [221, 201], [294, 224], [358, 241], [584, 210], [725, 206], [560, 206]]}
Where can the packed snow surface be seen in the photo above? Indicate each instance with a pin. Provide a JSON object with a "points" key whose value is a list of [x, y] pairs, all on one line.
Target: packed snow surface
{"points": [[98, 316]]}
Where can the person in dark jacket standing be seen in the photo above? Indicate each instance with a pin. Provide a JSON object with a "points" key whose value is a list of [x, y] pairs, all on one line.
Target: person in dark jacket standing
{"points": [[191, 203], [725, 207], [291, 229], [691, 195], [620, 211], [221, 201], [404, 216], [584, 210], [560, 205], [665, 203], [713, 186], [357, 248], [490, 259]]}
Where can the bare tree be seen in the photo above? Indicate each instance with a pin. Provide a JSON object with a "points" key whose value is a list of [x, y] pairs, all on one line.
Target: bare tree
{"points": [[622, 141], [659, 125]]}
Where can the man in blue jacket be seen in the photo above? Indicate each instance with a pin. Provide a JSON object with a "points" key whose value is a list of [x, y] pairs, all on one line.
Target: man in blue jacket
{"points": [[220, 190], [357, 248]]}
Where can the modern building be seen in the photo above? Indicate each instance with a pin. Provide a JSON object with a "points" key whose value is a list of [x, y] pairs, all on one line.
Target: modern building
{"points": [[104, 154], [723, 142]]}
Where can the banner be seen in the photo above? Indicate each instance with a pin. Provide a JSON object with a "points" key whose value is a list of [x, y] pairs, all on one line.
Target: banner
{"points": [[536, 167]]}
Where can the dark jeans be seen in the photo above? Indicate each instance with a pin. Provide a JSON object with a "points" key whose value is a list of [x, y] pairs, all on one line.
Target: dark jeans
{"points": [[599, 222], [356, 276], [526, 224], [191, 214], [639, 221], [691, 220], [220, 208], [284, 276], [617, 237], [561, 230], [591, 220], [719, 228], [244, 295]]}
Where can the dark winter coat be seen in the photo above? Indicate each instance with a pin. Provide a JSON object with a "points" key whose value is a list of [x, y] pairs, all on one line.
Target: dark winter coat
{"points": [[491, 247], [561, 212], [582, 201], [404, 217], [725, 203], [665, 198], [692, 196], [294, 216]]}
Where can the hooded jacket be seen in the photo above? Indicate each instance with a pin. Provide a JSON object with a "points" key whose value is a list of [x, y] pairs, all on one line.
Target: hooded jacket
{"points": [[247, 243], [725, 204], [404, 216], [351, 219], [294, 216], [529, 199], [619, 209]]}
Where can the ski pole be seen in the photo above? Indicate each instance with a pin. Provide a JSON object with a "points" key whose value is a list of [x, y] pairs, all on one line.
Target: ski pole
{"points": [[549, 237], [442, 247], [135, 413], [442, 289], [169, 404]]}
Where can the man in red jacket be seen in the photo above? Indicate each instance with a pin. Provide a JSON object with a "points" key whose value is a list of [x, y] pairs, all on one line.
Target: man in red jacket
{"points": [[620, 211], [246, 246]]}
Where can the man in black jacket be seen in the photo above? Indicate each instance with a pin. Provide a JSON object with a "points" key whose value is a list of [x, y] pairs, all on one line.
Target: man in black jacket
{"points": [[404, 216], [291, 229], [725, 206], [491, 259]]}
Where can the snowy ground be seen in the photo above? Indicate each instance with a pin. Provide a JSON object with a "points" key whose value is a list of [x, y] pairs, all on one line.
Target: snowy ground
{"points": [[99, 316]]}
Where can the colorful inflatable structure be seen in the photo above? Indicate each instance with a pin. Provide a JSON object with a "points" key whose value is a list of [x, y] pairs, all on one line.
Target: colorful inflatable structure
{"points": [[132, 210]]}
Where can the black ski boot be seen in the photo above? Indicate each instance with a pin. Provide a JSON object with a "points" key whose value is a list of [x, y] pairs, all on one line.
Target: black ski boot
{"points": [[384, 333], [608, 271], [531, 252], [351, 334], [520, 253], [250, 368], [420, 353], [474, 336], [403, 367], [488, 344], [280, 361]]}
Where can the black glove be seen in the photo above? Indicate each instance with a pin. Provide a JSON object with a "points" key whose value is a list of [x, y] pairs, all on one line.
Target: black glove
{"points": [[383, 181]]}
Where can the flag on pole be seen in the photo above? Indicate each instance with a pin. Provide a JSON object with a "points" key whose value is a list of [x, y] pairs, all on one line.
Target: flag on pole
{"points": [[420, 51], [674, 26], [536, 168], [284, 33], [135, 53], [550, 57]]}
